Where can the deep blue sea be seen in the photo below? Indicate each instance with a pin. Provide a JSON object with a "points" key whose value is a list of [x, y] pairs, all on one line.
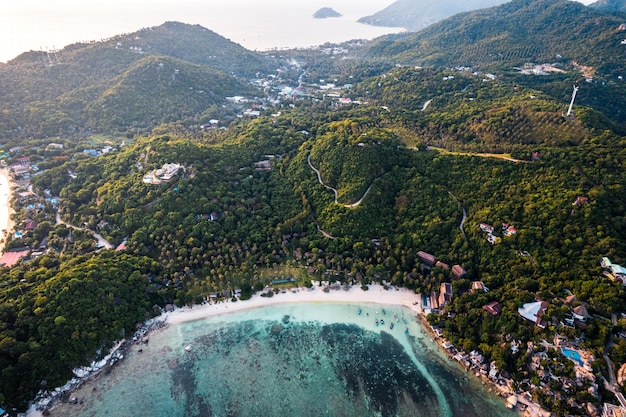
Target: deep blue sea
{"points": [[319, 359]]}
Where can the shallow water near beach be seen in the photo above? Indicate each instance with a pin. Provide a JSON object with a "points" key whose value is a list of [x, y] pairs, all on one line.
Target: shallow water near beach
{"points": [[312, 359]]}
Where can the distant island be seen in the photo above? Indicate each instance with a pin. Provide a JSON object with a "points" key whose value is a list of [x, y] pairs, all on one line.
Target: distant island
{"points": [[326, 12]]}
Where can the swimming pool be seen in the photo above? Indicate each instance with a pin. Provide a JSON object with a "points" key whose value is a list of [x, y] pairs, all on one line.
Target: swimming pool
{"points": [[573, 355]]}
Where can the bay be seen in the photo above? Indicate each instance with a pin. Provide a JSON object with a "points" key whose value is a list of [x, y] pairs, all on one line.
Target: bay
{"points": [[289, 359]]}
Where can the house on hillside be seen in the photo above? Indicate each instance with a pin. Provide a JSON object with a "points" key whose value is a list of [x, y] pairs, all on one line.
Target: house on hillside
{"points": [[487, 228], [614, 272], [580, 313], [509, 231], [442, 265], [478, 286], [580, 200], [263, 165], [426, 258], [494, 308], [164, 174], [533, 312], [457, 272]]}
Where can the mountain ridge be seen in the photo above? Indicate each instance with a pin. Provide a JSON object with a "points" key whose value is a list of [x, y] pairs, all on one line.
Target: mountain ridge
{"points": [[416, 16]]}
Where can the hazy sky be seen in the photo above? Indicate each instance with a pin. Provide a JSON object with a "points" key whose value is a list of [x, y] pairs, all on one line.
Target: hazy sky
{"points": [[44, 24], [256, 24]]}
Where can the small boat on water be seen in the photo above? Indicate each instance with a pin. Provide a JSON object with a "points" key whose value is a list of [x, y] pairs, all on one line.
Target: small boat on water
{"points": [[404, 320], [406, 330], [382, 321], [188, 348], [391, 326], [377, 323], [359, 312], [384, 312]]}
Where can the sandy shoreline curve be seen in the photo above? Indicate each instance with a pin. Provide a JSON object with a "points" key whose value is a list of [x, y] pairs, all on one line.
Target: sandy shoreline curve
{"points": [[6, 195], [353, 295], [375, 294]]}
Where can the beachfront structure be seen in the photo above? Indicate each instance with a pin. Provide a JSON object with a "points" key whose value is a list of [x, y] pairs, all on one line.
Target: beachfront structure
{"points": [[164, 174], [533, 312], [445, 294]]}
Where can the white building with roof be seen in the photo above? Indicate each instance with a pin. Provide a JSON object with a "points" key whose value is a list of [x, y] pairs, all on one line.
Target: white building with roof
{"points": [[533, 312]]}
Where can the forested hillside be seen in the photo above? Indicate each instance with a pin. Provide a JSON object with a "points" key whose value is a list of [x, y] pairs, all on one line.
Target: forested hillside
{"points": [[610, 5], [343, 182], [415, 16], [125, 85]]}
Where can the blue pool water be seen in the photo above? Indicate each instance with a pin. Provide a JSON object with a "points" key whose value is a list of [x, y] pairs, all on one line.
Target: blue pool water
{"points": [[573, 355]]}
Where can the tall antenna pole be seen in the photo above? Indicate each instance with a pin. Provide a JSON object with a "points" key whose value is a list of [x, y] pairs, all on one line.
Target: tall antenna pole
{"points": [[571, 104]]}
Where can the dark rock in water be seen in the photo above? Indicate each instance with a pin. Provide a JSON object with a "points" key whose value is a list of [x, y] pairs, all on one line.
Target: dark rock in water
{"points": [[326, 12], [277, 328]]}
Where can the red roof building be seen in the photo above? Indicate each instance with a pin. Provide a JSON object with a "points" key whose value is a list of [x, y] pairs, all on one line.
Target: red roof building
{"points": [[426, 258], [458, 272], [494, 308]]}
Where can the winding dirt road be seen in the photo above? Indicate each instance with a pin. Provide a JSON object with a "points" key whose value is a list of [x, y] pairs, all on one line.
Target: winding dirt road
{"points": [[319, 178], [102, 242]]}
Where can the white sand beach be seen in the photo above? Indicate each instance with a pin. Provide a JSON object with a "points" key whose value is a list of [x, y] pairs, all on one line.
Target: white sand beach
{"points": [[355, 295], [6, 193]]}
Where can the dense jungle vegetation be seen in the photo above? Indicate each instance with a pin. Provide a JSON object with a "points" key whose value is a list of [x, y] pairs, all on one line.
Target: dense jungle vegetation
{"points": [[414, 150]]}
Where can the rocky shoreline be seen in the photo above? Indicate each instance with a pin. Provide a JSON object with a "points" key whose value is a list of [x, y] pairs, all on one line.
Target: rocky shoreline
{"points": [[46, 399]]}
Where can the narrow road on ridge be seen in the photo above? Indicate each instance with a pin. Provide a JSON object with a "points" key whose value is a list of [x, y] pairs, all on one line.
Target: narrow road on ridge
{"points": [[319, 178]]}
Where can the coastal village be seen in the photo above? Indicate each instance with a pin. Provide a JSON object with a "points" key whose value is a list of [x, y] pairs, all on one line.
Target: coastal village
{"points": [[542, 367], [545, 359]]}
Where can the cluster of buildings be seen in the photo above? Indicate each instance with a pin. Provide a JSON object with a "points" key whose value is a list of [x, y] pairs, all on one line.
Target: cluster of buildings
{"points": [[98, 152], [507, 230], [438, 300], [614, 272], [225, 294], [540, 69]]}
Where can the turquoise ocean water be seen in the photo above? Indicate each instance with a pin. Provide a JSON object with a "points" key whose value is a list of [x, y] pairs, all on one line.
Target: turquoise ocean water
{"points": [[318, 359]]}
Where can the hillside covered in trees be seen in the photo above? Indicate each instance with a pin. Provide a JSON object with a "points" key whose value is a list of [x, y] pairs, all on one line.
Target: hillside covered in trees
{"points": [[344, 182]]}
